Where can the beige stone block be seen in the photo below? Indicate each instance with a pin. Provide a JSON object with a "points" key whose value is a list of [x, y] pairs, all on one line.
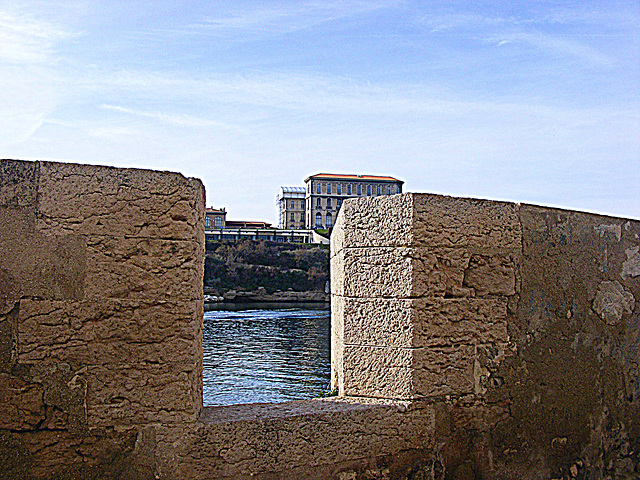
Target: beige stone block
{"points": [[139, 393], [384, 221], [378, 372], [337, 342], [244, 441], [33, 264], [337, 236], [443, 371], [378, 272], [384, 322], [92, 332], [337, 272], [481, 226], [460, 321], [93, 200], [399, 272], [491, 275], [138, 268], [18, 183], [438, 271]]}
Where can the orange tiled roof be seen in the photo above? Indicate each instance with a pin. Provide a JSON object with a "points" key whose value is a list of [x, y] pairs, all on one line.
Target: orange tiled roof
{"points": [[336, 176]]}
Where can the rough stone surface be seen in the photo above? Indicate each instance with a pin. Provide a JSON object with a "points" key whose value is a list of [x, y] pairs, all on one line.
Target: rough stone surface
{"points": [[308, 439], [612, 302], [518, 324], [100, 315], [470, 340]]}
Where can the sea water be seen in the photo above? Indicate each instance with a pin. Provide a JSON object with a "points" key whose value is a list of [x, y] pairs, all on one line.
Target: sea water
{"points": [[265, 354]]}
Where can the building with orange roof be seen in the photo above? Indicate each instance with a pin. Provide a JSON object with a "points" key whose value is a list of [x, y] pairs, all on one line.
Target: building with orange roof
{"points": [[325, 192]]}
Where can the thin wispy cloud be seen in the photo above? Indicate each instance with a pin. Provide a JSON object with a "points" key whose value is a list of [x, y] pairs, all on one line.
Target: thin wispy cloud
{"points": [[188, 121], [554, 45], [283, 18], [27, 40]]}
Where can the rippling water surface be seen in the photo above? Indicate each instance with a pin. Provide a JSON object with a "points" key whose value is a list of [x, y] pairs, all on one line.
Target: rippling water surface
{"points": [[265, 355]]}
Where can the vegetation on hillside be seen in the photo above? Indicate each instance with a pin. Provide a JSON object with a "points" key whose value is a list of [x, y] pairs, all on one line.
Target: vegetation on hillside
{"points": [[245, 265]]}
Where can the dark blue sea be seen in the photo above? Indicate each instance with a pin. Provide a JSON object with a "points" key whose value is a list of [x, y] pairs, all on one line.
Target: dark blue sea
{"points": [[265, 354]]}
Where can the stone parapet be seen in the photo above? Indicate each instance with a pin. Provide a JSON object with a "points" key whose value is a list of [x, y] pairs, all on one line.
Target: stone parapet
{"points": [[519, 323], [100, 312]]}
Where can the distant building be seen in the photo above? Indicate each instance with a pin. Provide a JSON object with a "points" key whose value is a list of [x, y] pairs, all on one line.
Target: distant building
{"points": [[246, 224], [215, 218], [217, 227], [325, 192], [291, 210]]}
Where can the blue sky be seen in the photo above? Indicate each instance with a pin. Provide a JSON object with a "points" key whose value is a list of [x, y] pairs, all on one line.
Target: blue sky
{"points": [[533, 102]]}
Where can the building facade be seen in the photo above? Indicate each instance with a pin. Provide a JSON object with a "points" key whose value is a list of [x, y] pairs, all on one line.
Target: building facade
{"points": [[325, 192], [291, 208], [215, 218]]}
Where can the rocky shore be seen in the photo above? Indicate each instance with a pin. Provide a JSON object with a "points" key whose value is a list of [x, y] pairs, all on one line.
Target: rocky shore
{"points": [[260, 295]]}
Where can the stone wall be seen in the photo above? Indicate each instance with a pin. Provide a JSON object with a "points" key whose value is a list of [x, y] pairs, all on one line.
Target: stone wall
{"points": [[517, 324], [101, 356], [100, 314], [471, 340]]}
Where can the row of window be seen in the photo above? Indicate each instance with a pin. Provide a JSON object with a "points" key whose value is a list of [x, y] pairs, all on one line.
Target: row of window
{"points": [[217, 222], [329, 220], [293, 204], [293, 217], [389, 189], [329, 203]]}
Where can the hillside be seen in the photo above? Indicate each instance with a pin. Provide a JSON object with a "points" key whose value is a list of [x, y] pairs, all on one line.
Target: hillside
{"points": [[248, 265]]}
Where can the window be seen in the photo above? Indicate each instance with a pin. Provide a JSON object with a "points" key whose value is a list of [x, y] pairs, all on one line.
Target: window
{"points": [[388, 189], [207, 222], [293, 204], [378, 192], [338, 203], [328, 188], [319, 203], [302, 217], [293, 218], [368, 189], [328, 203], [339, 189], [359, 189], [217, 222], [349, 189], [302, 204], [318, 188], [318, 219], [329, 220]]}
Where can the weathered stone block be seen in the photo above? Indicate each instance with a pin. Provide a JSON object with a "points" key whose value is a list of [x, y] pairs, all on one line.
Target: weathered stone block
{"points": [[141, 393], [336, 267], [378, 372], [491, 275], [21, 404], [18, 183], [105, 201], [306, 439], [138, 268], [442, 322], [479, 226], [33, 264], [93, 332], [378, 272], [385, 221], [337, 346], [443, 371], [376, 321]]}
